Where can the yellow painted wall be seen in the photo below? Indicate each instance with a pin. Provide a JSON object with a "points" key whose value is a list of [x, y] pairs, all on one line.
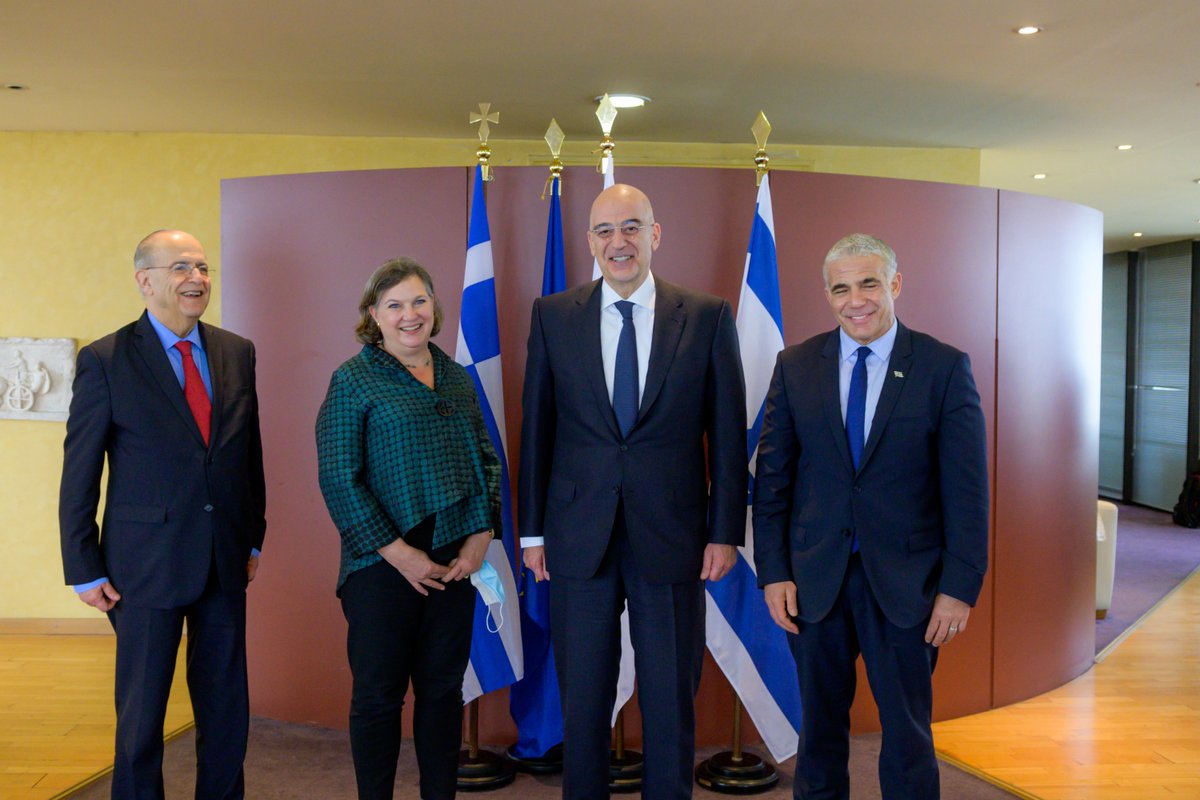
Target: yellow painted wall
{"points": [[74, 205]]}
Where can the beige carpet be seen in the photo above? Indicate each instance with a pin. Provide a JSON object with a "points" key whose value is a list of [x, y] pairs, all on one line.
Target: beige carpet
{"points": [[301, 761]]}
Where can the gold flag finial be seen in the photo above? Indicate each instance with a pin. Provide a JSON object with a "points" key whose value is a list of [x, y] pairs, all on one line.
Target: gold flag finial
{"points": [[606, 112], [555, 139], [484, 153], [761, 130]]}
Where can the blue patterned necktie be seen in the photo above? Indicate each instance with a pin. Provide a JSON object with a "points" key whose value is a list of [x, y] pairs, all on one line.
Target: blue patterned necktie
{"points": [[856, 406], [625, 376]]}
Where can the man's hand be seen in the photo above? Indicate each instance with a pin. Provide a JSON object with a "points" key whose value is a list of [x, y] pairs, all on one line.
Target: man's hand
{"points": [[101, 598], [718, 560], [948, 620], [415, 565], [251, 568], [781, 602], [534, 559], [470, 556]]}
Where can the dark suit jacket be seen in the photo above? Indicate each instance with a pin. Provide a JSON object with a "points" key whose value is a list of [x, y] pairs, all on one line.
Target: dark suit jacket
{"points": [[575, 466], [173, 507], [918, 503]]}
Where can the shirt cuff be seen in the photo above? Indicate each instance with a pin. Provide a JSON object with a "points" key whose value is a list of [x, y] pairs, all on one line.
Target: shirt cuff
{"points": [[80, 588], [255, 552], [533, 541]]}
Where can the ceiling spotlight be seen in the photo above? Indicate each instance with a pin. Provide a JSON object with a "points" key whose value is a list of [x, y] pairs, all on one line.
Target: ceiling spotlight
{"points": [[1039, 176], [1137, 234], [1124, 147], [625, 100], [1028, 30]]}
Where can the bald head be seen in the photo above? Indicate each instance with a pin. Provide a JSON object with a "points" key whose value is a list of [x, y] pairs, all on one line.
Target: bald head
{"points": [[628, 196], [623, 235], [171, 271], [148, 249]]}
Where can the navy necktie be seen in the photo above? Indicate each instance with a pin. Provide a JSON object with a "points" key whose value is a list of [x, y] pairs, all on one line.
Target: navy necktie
{"points": [[625, 376], [856, 406]]}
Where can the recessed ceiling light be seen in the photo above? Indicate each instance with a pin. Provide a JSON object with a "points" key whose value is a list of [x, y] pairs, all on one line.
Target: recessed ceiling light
{"points": [[16, 87], [1039, 176], [1124, 147], [1028, 30], [1195, 180], [1137, 234], [625, 100]]}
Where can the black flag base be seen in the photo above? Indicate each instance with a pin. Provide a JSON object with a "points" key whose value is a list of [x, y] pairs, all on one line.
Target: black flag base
{"points": [[483, 771], [624, 771], [550, 763], [730, 774]]}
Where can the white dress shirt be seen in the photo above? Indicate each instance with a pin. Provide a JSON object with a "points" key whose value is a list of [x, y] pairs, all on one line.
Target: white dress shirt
{"points": [[611, 323]]}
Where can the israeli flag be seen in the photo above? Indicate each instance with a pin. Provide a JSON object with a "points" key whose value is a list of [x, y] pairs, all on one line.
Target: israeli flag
{"points": [[496, 658], [609, 179], [748, 646]]}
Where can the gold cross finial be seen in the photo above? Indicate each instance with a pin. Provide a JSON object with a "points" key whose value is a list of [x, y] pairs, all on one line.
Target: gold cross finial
{"points": [[484, 153]]}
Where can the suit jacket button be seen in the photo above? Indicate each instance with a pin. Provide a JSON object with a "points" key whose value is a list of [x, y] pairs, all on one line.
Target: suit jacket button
{"points": [[846, 532], [616, 490], [857, 490], [208, 507], [624, 447]]}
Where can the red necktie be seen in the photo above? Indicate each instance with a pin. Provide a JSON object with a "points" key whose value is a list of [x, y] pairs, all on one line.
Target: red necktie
{"points": [[194, 391]]}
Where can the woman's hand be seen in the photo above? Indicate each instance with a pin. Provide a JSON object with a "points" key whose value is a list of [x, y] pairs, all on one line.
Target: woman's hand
{"points": [[470, 556], [415, 565]]}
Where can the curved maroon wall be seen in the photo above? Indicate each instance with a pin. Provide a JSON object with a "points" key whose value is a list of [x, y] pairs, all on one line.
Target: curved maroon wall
{"points": [[984, 270]]}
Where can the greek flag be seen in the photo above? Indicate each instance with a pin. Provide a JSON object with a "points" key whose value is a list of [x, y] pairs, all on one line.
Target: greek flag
{"points": [[496, 658], [533, 701], [750, 649]]}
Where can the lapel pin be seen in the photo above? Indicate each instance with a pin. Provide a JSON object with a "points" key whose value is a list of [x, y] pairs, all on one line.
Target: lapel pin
{"points": [[898, 373]]}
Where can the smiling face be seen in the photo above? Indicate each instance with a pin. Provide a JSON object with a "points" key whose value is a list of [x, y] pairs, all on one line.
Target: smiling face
{"points": [[404, 315], [624, 260], [862, 296], [177, 300]]}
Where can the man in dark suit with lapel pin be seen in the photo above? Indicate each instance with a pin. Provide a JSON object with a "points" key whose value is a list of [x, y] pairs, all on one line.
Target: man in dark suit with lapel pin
{"points": [[170, 403], [632, 487], [870, 520]]}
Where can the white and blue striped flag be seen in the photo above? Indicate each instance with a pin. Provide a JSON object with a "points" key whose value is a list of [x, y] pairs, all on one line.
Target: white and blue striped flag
{"points": [[608, 167], [496, 658], [627, 676], [751, 650]]}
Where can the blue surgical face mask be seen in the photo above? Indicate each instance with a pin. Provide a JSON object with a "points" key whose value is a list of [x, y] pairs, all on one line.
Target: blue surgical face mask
{"points": [[487, 582]]}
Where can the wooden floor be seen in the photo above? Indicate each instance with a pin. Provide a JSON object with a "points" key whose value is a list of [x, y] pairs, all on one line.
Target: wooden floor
{"points": [[56, 712], [1129, 729]]}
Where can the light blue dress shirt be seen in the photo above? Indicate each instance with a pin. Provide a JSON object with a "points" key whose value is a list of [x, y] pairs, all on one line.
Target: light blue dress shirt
{"points": [[877, 361]]}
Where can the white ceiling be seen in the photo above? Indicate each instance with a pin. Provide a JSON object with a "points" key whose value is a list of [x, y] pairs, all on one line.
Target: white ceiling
{"points": [[933, 73]]}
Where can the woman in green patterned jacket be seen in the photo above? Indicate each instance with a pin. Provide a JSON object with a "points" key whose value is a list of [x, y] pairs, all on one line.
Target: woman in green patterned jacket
{"points": [[412, 483]]}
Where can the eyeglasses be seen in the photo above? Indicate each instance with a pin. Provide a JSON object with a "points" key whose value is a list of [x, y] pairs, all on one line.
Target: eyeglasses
{"points": [[628, 230], [181, 269]]}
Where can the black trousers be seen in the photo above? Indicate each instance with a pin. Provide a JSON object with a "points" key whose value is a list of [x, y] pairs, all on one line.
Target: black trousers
{"points": [[899, 668], [396, 635], [147, 646], [666, 626]]}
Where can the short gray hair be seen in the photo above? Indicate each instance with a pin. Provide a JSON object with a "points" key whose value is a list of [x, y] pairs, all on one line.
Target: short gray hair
{"points": [[860, 244]]}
